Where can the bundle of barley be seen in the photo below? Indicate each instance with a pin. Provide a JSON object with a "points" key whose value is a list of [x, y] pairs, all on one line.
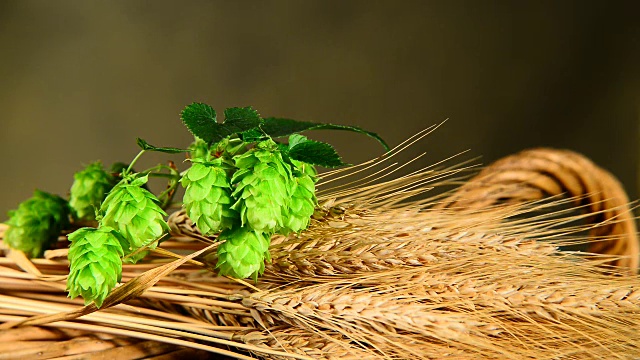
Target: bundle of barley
{"points": [[383, 272]]}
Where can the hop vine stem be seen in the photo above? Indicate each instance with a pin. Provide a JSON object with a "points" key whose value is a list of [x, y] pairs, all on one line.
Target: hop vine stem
{"points": [[135, 159], [174, 180], [161, 175]]}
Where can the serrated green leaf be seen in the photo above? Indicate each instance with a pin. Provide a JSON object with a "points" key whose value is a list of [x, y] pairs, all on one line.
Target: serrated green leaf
{"points": [[200, 119], [170, 150], [278, 127], [253, 135], [241, 118], [296, 139], [316, 153]]}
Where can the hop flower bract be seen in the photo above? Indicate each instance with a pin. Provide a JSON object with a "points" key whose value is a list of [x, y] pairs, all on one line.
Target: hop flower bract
{"points": [[90, 187], [95, 263], [264, 185], [243, 253], [37, 222], [134, 212], [207, 197], [306, 169]]}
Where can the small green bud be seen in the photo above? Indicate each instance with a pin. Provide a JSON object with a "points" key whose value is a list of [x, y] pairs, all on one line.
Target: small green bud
{"points": [[134, 212], [199, 149], [89, 188], [95, 263], [243, 253], [37, 222]]}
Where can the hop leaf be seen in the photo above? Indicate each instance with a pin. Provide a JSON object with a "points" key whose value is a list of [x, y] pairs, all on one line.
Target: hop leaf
{"points": [[201, 120], [90, 187], [207, 197], [303, 199], [243, 253], [277, 127], [263, 188], [37, 222], [301, 150], [313, 152], [134, 212], [95, 263], [169, 150]]}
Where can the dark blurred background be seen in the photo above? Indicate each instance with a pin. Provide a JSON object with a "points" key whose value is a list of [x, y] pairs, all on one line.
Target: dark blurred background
{"points": [[82, 79]]}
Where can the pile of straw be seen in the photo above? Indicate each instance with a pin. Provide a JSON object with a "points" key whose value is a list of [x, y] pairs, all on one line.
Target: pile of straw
{"points": [[382, 273]]}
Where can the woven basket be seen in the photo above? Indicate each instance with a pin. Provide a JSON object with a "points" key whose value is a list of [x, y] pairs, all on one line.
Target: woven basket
{"points": [[539, 173], [330, 293]]}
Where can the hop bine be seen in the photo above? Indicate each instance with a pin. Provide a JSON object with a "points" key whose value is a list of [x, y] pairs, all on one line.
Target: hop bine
{"points": [[207, 198], [37, 222], [90, 187], [134, 212], [95, 263]]}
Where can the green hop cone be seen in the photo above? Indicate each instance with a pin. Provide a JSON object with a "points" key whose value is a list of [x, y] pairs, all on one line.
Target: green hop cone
{"points": [[263, 188], [303, 198], [134, 212], [95, 263], [207, 197], [37, 222], [198, 149], [90, 187], [243, 253]]}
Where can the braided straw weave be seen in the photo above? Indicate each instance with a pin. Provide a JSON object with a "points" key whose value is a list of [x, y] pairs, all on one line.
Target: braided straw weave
{"points": [[539, 173], [382, 273]]}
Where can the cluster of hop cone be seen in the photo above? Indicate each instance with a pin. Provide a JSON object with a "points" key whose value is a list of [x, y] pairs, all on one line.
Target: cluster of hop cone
{"points": [[241, 200], [382, 272]]}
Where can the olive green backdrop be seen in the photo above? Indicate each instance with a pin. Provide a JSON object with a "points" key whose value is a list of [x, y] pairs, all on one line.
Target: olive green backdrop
{"points": [[80, 80]]}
